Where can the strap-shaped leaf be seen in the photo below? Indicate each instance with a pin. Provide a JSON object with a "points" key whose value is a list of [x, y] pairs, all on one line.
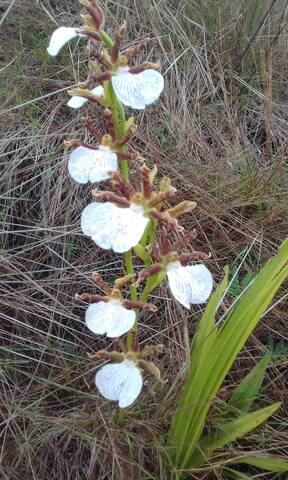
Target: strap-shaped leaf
{"points": [[266, 462], [247, 391], [228, 432], [205, 336]]}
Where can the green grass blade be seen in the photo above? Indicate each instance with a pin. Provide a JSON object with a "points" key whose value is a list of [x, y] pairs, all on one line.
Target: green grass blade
{"points": [[266, 462], [234, 475], [205, 336], [228, 432], [247, 391]]}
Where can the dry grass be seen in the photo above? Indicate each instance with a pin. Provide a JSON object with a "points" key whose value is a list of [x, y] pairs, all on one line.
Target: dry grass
{"points": [[220, 131]]}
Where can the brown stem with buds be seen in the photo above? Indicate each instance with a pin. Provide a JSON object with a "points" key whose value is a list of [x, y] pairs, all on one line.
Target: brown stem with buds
{"points": [[135, 304], [147, 272], [186, 258], [189, 237], [127, 156], [142, 67], [100, 282], [117, 40], [166, 219], [86, 297], [112, 197], [119, 185], [131, 53], [127, 136], [78, 143], [87, 123], [101, 57]]}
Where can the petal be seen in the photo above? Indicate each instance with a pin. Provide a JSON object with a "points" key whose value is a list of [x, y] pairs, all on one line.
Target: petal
{"points": [[77, 102], [113, 227], [87, 165], [137, 90], [94, 316], [189, 285], [59, 38], [110, 318], [120, 381], [133, 385], [153, 84]]}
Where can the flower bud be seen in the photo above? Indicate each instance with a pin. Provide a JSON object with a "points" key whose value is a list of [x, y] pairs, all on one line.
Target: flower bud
{"points": [[151, 368], [182, 207], [95, 12]]}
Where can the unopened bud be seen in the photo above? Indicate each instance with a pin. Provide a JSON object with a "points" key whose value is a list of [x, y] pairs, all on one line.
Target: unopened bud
{"points": [[182, 207], [151, 368], [95, 12], [165, 184]]}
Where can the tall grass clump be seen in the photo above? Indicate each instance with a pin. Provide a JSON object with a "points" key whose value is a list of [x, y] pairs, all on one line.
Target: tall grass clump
{"points": [[196, 156]]}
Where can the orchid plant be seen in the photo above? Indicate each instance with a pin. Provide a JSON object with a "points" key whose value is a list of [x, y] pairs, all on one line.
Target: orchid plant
{"points": [[129, 219]]}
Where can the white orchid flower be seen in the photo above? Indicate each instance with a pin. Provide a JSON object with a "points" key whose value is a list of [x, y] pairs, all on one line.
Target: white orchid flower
{"points": [[60, 37], [78, 102], [120, 382], [191, 284], [137, 90], [114, 227], [87, 165], [110, 318]]}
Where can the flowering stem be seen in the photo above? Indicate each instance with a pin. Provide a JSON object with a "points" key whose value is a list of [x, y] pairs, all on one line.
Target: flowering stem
{"points": [[119, 121]]}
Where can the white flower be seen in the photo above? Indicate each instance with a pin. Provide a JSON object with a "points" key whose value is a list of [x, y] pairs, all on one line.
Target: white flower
{"points": [[120, 382], [189, 285], [114, 227], [110, 318], [87, 165], [77, 102], [137, 90], [60, 37]]}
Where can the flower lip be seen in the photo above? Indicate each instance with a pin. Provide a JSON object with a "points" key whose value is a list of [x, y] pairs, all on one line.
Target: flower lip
{"points": [[120, 382], [114, 227], [191, 284], [87, 165], [110, 318], [137, 90]]}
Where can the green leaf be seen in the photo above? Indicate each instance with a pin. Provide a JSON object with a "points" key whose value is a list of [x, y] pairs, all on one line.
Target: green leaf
{"points": [[266, 462], [234, 475], [217, 353], [205, 336], [207, 332], [248, 389], [228, 432]]}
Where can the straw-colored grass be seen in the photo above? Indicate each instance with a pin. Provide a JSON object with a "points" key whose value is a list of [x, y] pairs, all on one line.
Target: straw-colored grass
{"points": [[220, 132]]}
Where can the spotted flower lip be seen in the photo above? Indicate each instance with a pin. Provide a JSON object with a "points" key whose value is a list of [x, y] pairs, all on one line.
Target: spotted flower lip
{"points": [[60, 37], [109, 318], [121, 382], [191, 284], [77, 102], [137, 90], [89, 165], [114, 227]]}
